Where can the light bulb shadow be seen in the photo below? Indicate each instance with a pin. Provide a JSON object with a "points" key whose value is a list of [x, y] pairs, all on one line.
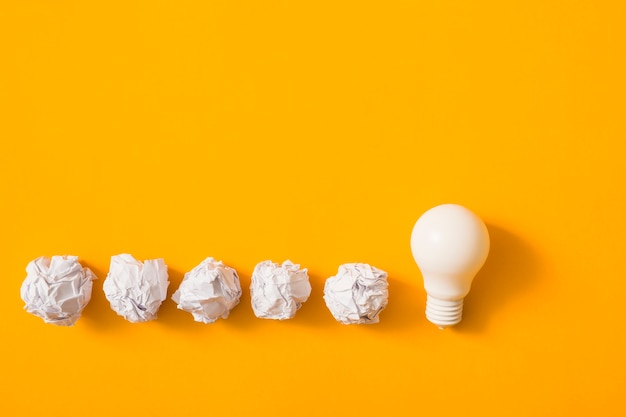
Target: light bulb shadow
{"points": [[511, 268]]}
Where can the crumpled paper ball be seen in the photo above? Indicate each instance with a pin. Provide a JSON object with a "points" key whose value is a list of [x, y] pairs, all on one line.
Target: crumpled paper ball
{"points": [[209, 291], [278, 291], [357, 294], [57, 289], [134, 289]]}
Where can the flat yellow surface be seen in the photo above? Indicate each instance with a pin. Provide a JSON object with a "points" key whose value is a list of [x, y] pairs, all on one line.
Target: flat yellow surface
{"points": [[318, 132]]}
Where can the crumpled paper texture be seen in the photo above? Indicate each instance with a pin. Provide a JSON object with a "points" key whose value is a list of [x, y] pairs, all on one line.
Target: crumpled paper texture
{"points": [[278, 291], [209, 291], [134, 289], [357, 294], [57, 289]]}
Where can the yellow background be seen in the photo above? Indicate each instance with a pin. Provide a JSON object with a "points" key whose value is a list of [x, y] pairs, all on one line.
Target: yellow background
{"points": [[318, 131]]}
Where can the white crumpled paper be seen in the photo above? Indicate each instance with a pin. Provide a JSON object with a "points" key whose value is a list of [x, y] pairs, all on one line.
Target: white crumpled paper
{"points": [[277, 291], [57, 289], [209, 291], [357, 293], [134, 289]]}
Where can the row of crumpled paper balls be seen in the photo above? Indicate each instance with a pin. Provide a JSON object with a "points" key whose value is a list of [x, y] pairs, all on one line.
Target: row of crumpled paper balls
{"points": [[58, 289]]}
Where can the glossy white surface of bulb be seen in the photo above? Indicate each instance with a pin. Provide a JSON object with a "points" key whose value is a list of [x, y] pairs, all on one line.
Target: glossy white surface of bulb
{"points": [[450, 244]]}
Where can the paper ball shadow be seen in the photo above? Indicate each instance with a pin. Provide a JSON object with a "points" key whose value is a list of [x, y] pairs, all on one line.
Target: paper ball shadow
{"points": [[511, 269], [98, 312], [314, 312], [405, 309], [169, 314]]}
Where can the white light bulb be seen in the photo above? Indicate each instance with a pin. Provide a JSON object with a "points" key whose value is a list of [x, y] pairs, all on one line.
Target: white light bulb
{"points": [[450, 244]]}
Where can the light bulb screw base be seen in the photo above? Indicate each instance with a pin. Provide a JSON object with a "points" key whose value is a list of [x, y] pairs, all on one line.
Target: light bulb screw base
{"points": [[444, 313]]}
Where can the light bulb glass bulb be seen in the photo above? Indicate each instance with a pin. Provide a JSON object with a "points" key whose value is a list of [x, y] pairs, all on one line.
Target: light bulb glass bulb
{"points": [[450, 244]]}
